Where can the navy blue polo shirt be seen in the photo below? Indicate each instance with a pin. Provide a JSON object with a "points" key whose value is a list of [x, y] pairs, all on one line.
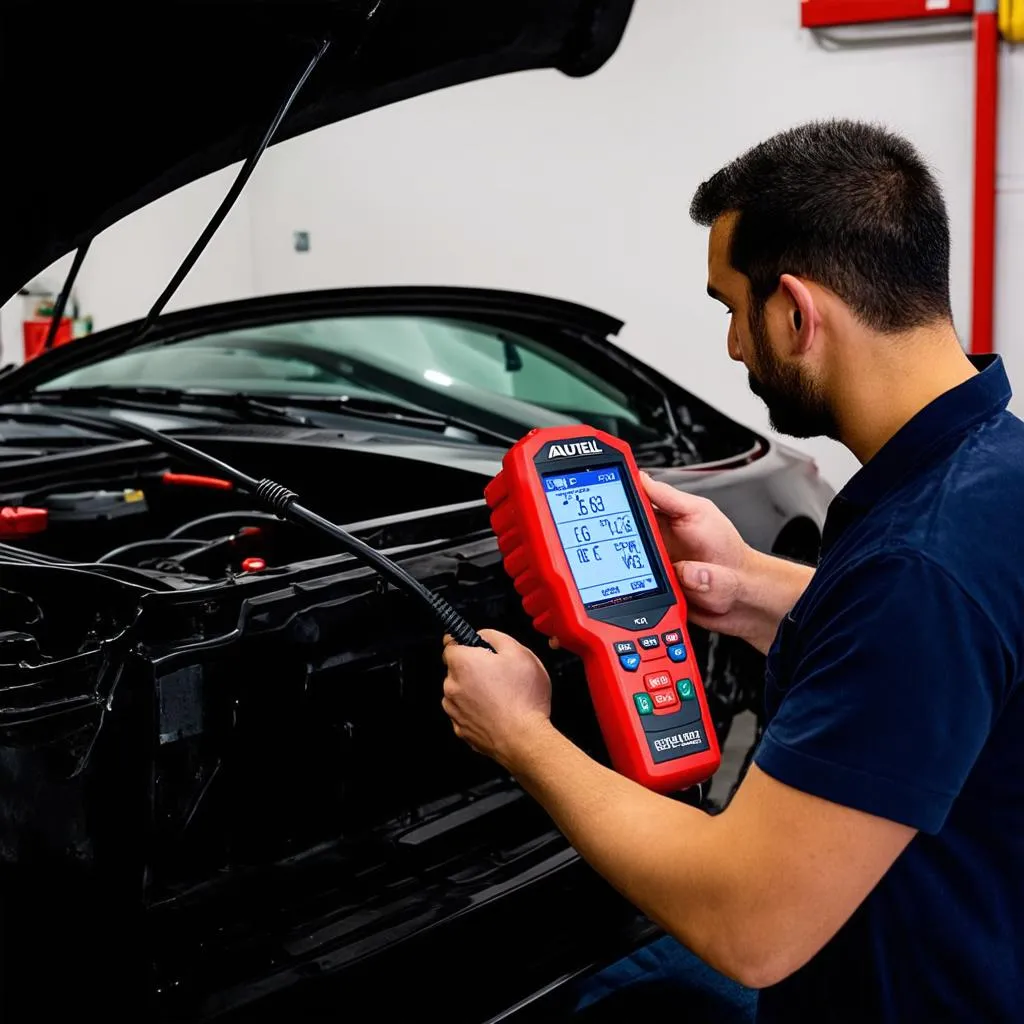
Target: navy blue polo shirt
{"points": [[894, 687]]}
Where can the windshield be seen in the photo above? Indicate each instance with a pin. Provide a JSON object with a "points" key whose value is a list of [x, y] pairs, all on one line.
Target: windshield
{"points": [[480, 373]]}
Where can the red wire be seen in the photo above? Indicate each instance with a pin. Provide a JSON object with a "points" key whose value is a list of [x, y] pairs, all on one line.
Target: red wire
{"points": [[189, 480]]}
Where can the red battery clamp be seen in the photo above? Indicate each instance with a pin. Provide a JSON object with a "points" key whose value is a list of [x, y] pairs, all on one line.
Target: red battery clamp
{"points": [[579, 539]]}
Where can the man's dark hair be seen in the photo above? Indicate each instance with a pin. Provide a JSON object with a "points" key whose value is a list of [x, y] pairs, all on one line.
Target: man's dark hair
{"points": [[846, 204]]}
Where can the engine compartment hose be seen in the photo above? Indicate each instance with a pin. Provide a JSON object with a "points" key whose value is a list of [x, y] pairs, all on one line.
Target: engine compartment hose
{"points": [[284, 503]]}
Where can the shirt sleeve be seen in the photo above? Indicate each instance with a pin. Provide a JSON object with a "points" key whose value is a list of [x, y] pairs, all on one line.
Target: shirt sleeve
{"points": [[891, 682]]}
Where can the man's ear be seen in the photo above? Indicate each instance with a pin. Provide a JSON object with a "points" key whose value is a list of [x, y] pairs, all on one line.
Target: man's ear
{"points": [[803, 319]]}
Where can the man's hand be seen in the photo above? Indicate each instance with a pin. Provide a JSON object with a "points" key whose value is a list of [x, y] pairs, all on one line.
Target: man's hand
{"points": [[695, 530], [729, 586], [495, 700]]}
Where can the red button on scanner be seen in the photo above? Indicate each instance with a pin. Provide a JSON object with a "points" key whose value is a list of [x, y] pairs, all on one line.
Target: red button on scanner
{"points": [[672, 638], [664, 699], [658, 681]]}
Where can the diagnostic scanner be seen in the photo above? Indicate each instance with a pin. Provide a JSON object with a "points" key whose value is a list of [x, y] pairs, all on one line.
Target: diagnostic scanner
{"points": [[578, 537]]}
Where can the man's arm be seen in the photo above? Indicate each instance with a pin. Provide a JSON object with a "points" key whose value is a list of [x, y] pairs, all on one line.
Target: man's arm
{"points": [[856, 760], [755, 891]]}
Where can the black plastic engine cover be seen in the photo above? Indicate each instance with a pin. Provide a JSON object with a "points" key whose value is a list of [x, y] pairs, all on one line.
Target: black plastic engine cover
{"points": [[240, 798]]}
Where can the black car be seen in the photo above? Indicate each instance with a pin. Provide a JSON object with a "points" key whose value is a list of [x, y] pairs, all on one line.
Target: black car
{"points": [[227, 787]]}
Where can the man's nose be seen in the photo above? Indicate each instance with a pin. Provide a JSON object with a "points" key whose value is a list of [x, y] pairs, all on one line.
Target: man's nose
{"points": [[734, 347]]}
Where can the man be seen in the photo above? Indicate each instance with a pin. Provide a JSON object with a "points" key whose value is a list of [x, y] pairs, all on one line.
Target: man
{"points": [[871, 865]]}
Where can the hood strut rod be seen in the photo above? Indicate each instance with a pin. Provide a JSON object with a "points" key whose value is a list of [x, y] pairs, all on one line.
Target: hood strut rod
{"points": [[65, 294], [228, 201], [208, 232]]}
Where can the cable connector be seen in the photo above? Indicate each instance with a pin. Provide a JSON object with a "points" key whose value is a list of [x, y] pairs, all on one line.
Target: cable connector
{"points": [[275, 496]]}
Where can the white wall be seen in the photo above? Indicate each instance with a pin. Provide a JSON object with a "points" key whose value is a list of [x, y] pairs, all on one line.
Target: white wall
{"points": [[580, 188], [1010, 224], [130, 263]]}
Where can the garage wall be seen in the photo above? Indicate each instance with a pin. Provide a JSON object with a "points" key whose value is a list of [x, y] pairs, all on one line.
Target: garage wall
{"points": [[130, 264], [1010, 242], [580, 189]]}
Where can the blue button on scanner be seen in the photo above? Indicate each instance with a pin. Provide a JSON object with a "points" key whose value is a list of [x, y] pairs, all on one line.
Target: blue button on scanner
{"points": [[677, 652], [630, 662]]}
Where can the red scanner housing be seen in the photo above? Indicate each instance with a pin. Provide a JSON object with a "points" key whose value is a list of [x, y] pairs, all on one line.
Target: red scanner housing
{"points": [[578, 536]]}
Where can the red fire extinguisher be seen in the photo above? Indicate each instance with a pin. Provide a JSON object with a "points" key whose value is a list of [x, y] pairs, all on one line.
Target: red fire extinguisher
{"points": [[36, 330]]}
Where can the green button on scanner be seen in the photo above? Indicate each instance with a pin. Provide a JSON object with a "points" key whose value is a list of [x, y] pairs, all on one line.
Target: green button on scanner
{"points": [[686, 690], [643, 703]]}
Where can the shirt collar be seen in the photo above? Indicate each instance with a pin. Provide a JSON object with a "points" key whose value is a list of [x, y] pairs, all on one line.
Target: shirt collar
{"points": [[919, 441]]}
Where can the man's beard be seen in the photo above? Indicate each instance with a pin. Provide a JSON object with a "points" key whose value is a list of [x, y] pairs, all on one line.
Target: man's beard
{"points": [[795, 406]]}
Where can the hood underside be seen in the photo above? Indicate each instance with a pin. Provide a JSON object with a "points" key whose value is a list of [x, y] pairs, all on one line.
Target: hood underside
{"points": [[110, 107]]}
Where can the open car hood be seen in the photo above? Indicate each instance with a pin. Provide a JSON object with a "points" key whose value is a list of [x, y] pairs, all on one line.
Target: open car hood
{"points": [[108, 109]]}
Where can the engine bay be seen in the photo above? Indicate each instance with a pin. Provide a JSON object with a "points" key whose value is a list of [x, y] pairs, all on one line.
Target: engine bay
{"points": [[221, 742], [168, 519]]}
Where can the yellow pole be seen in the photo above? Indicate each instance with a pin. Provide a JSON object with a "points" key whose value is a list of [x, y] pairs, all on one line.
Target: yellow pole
{"points": [[1011, 20]]}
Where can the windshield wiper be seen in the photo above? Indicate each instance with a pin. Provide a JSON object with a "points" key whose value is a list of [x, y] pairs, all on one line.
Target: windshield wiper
{"points": [[145, 399], [395, 410], [270, 408]]}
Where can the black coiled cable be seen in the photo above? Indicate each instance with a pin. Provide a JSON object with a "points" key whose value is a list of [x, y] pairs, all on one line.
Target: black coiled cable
{"points": [[276, 497], [282, 502], [454, 624]]}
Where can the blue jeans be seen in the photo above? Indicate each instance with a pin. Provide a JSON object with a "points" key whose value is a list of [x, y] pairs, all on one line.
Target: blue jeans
{"points": [[663, 978]]}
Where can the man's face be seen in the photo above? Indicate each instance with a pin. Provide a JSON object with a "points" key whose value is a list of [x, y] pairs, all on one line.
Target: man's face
{"points": [[760, 338]]}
